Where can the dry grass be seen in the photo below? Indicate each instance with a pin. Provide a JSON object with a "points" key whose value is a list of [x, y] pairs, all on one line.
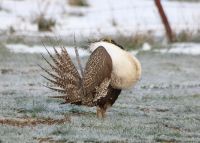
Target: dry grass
{"points": [[32, 122], [188, 36], [135, 41], [44, 24], [78, 3], [49, 139]]}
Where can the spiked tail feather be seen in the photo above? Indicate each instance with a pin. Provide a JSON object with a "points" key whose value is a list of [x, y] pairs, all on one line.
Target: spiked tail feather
{"points": [[67, 78], [71, 101]]}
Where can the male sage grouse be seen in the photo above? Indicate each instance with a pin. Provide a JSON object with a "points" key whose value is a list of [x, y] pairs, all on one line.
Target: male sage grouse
{"points": [[108, 70]]}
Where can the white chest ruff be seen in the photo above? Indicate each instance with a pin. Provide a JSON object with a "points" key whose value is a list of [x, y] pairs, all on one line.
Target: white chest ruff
{"points": [[124, 73], [126, 68]]}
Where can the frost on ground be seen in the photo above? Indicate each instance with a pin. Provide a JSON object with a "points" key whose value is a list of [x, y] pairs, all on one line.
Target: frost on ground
{"points": [[163, 106]]}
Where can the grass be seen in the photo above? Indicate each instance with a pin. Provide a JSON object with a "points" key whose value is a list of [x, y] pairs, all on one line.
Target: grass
{"points": [[131, 42], [162, 107], [78, 3], [188, 36], [44, 24], [136, 40]]}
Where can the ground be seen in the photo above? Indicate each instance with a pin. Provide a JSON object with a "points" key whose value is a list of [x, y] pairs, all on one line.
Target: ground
{"points": [[163, 106]]}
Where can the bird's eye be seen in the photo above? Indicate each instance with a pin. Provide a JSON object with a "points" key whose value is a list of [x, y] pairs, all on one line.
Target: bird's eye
{"points": [[112, 41]]}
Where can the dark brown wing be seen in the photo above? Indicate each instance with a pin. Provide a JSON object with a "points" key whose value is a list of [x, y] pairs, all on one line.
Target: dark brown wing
{"points": [[98, 68], [107, 101]]}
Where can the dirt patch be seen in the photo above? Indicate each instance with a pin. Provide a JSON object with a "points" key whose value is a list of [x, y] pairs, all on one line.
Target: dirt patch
{"points": [[6, 71], [177, 128], [153, 111], [32, 122], [34, 71], [49, 139], [68, 119]]}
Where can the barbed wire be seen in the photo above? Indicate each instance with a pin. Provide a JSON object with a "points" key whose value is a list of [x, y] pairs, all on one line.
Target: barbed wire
{"points": [[87, 11], [91, 11]]}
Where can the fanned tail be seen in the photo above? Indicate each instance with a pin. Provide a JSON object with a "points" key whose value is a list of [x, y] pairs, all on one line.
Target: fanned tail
{"points": [[67, 77]]}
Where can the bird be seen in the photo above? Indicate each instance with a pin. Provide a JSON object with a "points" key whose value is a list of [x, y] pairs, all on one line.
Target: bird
{"points": [[109, 70]]}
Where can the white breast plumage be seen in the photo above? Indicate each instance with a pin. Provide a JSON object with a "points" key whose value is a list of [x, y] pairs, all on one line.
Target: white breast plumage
{"points": [[126, 68]]}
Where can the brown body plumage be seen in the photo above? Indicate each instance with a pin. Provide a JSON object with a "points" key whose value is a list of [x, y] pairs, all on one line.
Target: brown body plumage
{"points": [[101, 83]]}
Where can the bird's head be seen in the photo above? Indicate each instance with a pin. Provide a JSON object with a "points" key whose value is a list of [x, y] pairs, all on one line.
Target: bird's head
{"points": [[92, 45]]}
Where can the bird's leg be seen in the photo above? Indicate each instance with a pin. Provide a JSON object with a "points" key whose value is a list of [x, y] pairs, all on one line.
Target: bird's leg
{"points": [[99, 115], [101, 112]]}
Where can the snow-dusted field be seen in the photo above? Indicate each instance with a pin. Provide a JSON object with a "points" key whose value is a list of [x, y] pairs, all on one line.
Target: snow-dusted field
{"points": [[162, 106]]}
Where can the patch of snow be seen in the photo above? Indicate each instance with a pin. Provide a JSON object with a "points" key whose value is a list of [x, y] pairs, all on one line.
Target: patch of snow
{"points": [[182, 48], [97, 18], [20, 48], [146, 46], [134, 52]]}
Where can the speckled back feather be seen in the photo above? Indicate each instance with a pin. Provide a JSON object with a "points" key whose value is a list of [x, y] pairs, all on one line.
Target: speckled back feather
{"points": [[91, 88], [97, 69]]}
